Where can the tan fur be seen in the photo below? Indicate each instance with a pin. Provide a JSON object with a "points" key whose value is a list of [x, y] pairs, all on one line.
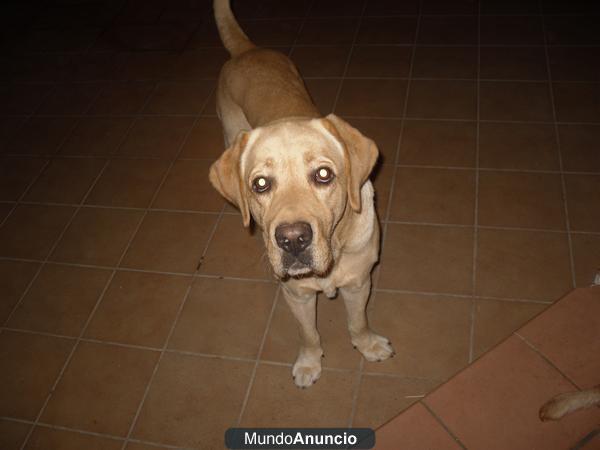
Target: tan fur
{"points": [[273, 129], [564, 404]]}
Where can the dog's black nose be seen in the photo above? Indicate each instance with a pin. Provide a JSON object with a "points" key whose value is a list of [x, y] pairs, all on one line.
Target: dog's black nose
{"points": [[293, 238]]}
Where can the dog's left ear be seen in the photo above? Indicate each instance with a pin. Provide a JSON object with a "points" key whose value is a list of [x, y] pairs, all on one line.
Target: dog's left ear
{"points": [[226, 178], [360, 155]]}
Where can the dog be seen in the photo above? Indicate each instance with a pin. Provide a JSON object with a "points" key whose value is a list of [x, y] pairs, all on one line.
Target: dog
{"points": [[566, 403], [304, 179]]}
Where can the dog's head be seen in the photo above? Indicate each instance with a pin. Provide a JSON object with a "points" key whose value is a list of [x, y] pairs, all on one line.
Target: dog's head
{"points": [[296, 178]]}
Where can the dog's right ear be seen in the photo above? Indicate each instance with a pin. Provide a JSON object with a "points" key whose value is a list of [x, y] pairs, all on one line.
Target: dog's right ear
{"points": [[225, 175]]}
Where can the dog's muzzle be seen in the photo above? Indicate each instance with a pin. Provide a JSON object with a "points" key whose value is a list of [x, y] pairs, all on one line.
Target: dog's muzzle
{"points": [[295, 239]]}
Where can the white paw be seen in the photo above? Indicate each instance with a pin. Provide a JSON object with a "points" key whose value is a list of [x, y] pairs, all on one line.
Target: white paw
{"points": [[556, 408], [374, 347], [307, 369]]}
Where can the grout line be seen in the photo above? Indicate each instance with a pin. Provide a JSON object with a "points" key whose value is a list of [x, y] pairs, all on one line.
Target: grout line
{"points": [[465, 296], [443, 425]]}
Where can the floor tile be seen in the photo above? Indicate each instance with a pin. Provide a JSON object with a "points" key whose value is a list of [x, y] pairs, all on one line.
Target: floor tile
{"points": [[15, 276], [379, 61], [30, 365], [323, 93], [523, 265], [384, 132], [583, 192], [577, 145], [31, 230], [96, 136], [128, 183], [22, 99], [325, 404], [212, 311], [444, 30], [463, 404], [272, 32], [138, 309], [510, 7], [187, 188], [65, 180], [179, 98], [430, 334], [518, 146], [442, 100], [382, 397], [511, 30], [40, 136], [387, 30], [122, 98], [60, 300], [143, 66], [205, 140], [577, 102], [156, 137], [427, 258], [331, 31], [391, 7], [372, 98], [183, 410], [283, 339], [567, 335], [272, 9], [336, 8], [445, 7], [562, 30], [574, 63], [382, 182], [438, 143], [321, 61], [170, 242], [47, 438], [5, 210], [495, 320], [445, 62], [234, 252], [586, 255], [515, 101], [97, 236], [70, 99], [16, 174], [524, 200], [12, 434], [434, 196], [140, 446], [513, 63]]}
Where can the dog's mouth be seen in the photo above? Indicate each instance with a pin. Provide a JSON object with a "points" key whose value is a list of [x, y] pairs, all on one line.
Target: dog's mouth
{"points": [[297, 265]]}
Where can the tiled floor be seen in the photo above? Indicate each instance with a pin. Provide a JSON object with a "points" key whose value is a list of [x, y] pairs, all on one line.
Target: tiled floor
{"points": [[136, 311]]}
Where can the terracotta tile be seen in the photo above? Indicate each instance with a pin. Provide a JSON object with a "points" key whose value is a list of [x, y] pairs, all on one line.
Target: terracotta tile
{"points": [[577, 102], [325, 404], [151, 37], [320, 61], [335, 31], [22, 99], [65, 180], [522, 265], [574, 63], [379, 61], [432, 143], [510, 7], [137, 11], [40, 136], [182, 410], [128, 183], [206, 35], [182, 11], [87, 67], [179, 98], [444, 30], [427, 258], [586, 255], [235, 252], [446, 7], [196, 64], [384, 132], [30, 365], [336, 8], [43, 438], [97, 236], [169, 242], [70, 99], [445, 62], [31, 230], [61, 40], [380, 398], [187, 188], [144, 66], [372, 98], [323, 93], [569, 7], [272, 9], [122, 98], [506, 100], [495, 320], [156, 137], [518, 146], [138, 309], [513, 63], [474, 404], [272, 32], [101, 388], [12, 434], [283, 339], [139, 446], [8, 128], [96, 136], [212, 311], [60, 300], [382, 182], [442, 100], [391, 7], [434, 196], [583, 192], [205, 140], [563, 30], [387, 30], [16, 174], [15, 276], [5, 210], [511, 30], [525, 200], [415, 429], [577, 145]]}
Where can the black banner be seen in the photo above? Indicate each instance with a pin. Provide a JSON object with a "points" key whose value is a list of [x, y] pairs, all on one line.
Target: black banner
{"points": [[299, 438]]}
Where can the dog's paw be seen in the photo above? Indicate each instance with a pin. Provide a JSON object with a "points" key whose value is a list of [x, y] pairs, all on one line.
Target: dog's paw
{"points": [[374, 347], [556, 408], [307, 369]]}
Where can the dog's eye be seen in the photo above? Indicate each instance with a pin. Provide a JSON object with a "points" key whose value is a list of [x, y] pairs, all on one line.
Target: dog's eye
{"points": [[324, 175], [261, 184]]}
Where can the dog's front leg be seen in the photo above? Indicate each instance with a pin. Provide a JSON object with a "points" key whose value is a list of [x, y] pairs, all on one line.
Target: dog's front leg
{"points": [[371, 345], [303, 304]]}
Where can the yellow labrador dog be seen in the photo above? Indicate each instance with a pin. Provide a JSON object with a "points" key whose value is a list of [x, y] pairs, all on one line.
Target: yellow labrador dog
{"points": [[304, 180]]}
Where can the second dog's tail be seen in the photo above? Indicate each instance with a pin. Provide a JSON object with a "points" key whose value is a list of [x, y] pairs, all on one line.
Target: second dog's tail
{"points": [[234, 39]]}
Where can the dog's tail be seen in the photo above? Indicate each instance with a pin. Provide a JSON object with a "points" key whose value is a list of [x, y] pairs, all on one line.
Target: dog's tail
{"points": [[234, 39]]}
